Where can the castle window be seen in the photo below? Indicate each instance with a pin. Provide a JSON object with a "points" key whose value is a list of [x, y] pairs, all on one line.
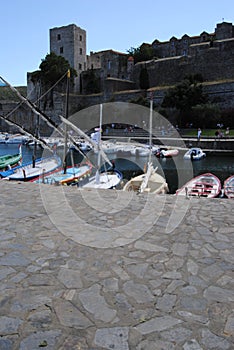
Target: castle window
{"points": [[80, 66], [80, 37], [61, 49], [109, 64], [80, 51], [58, 37]]}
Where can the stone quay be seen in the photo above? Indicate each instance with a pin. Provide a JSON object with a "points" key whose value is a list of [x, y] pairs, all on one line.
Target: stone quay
{"points": [[95, 270]]}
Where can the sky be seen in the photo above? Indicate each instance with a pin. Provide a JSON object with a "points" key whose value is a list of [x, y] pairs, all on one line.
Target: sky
{"points": [[118, 25]]}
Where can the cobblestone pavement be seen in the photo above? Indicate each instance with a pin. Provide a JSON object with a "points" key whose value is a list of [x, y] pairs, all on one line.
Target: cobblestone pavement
{"points": [[103, 270]]}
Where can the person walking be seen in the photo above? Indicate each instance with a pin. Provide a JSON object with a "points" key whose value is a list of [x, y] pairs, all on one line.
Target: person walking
{"points": [[199, 132]]}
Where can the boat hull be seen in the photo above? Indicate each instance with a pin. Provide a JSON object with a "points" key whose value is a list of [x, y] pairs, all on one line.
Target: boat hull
{"points": [[205, 185], [229, 187], [27, 172], [72, 175], [107, 180]]}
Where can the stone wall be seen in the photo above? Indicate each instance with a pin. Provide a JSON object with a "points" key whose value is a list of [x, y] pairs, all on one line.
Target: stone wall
{"points": [[214, 63]]}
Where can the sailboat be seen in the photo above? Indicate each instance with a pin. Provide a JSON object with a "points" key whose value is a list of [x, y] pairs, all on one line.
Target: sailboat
{"points": [[10, 160], [106, 179], [150, 181]]}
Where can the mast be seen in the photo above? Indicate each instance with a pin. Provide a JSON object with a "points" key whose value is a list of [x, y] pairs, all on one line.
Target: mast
{"points": [[150, 128], [65, 126], [36, 129], [97, 178]]}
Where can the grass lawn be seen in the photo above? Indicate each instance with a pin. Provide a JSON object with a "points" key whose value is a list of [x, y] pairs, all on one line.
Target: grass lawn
{"points": [[205, 132]]}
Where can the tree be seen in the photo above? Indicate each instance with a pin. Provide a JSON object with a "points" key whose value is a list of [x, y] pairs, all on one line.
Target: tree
{"points": [[52, 68], [184, 96], [142, 53], [144, 78]]}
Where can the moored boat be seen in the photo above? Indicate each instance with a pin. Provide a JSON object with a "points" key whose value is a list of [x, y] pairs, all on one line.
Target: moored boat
{"points": [[194, 153], [107, 180], [166, 153], [205, 185], [72, 175], [229, 187], [10, 160], [30, 170], [149, 182]]}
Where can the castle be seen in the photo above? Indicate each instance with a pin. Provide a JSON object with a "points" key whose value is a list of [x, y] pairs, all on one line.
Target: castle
{"points": [[109, 75], [208, 54]]}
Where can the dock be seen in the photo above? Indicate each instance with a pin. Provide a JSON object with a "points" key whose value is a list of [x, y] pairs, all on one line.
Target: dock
{"points": [[94, 270]]}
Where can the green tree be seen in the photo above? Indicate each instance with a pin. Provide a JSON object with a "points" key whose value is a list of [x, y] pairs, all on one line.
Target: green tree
{"points": [[184, 96], [142, 53], [144, 78], [52, 68], [52, 74]]}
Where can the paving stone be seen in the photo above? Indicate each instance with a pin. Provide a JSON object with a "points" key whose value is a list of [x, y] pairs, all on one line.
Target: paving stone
{"points": [[95, 303], [192, 345], [229, 326], [71, 316], [9, 325], [70, 278], [46, 339], [212, 341], [112, 338], [158, 324], [139, 292]]}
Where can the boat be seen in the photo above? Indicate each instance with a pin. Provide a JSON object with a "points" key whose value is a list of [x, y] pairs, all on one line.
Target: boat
{"points": [[73, 175], [205, 185], [30, 170], [106, 179], [229, 187], [194, 154], [150, 181], [109, 179], [166, 153], [10, 160], [16, 139], [140, 151]]}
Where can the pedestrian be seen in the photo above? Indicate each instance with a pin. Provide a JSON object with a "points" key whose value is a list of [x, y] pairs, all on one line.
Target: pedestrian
{"points": [[227, 132], [199, 132]]}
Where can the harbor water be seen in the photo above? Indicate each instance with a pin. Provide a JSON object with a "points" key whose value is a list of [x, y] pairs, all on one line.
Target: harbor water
{"points": [[176, 170]]}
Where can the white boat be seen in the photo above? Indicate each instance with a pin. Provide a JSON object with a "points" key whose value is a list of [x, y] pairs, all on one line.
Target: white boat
{"points": [[106, 180], [29, 170], [229, 187], [205, 185], [194, 154], [16, 139], [103, 179], [140, 151], [151, 181]]}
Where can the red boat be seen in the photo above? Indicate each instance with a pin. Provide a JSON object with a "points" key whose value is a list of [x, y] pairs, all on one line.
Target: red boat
{"points": [[205, 185], [167, 153], [229, 187]]}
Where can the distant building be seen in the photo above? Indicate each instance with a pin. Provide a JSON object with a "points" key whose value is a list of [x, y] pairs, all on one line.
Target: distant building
{"points": [[70, 42]]}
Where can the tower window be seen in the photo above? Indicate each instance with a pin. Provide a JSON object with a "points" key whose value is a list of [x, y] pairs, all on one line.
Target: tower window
{"points": [[80, 51], [80, 66], [61, 49], [80, 37], [59, 37]]}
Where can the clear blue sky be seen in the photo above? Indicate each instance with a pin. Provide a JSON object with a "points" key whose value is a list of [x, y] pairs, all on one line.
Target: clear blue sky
{"points": [[118, 25]]}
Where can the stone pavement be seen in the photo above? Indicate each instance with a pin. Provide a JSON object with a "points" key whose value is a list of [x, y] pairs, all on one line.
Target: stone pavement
{"points": [[114, 270]]}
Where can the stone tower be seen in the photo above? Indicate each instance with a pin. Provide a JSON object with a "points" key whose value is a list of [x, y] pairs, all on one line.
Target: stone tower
{"points": [[70, 42]]}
